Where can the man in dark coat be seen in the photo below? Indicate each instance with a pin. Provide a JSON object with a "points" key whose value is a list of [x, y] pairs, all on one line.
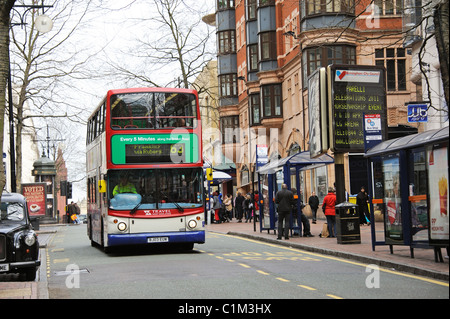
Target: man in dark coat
{"points": [[362, 200], [313, 202], [284, 199], [238, 206]]}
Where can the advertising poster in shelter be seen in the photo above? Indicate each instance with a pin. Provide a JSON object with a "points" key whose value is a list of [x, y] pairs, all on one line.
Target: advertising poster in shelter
{"points": [[438, 192], [392, 200], [36, 198]]}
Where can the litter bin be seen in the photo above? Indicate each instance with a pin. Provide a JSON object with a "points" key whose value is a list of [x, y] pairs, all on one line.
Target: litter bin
{"points": [[347, 224]]}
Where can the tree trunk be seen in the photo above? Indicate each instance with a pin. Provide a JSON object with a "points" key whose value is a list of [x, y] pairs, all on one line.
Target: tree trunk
{"points": [[442, 42], [5, 9]]}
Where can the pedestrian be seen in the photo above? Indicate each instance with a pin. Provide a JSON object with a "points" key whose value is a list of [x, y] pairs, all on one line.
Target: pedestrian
{"points": [[313, 202], [228, 207], [284, 199], [239, 202], [303, 219], [71, 213], [328, 207], [216, 207], [256, 201], [362, 199], [248, 208]]}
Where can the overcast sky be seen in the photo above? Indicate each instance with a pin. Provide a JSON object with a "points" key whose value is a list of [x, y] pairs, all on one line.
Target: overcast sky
{"points": [[110, 35]]}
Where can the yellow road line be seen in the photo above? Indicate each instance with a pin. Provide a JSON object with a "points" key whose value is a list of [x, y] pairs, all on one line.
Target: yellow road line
{"points": [[306, 287], [437, 282], [334, 297]]}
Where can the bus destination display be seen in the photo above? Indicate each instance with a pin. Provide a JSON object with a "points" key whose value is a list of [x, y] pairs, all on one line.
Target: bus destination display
{"points": [[154, 153], [357, 91]]}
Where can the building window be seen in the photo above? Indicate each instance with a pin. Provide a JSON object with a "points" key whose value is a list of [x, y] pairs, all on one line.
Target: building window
{"points": [[394, 60], [271, 100], [251, 9], [316, 57], [268, 45], [227, 42], [228, 85], [253, 58], [225, 4], [314, 7], [388, 7], [255, 109], [229, 126], [263, 3]]}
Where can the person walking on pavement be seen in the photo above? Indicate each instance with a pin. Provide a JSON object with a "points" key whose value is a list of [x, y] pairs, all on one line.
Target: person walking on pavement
{"points": [[71, 213], [303, 219], [284, 199], [228, 207], [248, 208], [216, 206], [256, 201], [362, 200], [239, 206], [328, 206], [313, 202]]}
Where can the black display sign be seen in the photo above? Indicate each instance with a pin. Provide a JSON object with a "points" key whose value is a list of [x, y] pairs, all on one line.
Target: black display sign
{"points": [[357, 91], [154, 153]]}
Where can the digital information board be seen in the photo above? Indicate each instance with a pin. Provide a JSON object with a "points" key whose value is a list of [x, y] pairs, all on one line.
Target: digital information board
{"points": [[155, 153], [155, 148], [357, 93]]}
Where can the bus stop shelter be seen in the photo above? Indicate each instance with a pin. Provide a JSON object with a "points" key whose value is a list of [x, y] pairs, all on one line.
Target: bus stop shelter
{"points": [[409, 190], [277, 172]]}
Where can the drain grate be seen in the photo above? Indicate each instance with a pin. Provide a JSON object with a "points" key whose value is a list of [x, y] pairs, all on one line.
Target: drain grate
{"points": [[71, 272]]}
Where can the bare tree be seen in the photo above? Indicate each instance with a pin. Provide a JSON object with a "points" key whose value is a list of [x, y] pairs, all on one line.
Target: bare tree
{"points": [[174, 47], [40, 62]]}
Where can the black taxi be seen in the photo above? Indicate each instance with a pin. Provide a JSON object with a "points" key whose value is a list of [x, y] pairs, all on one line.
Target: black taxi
{"points": [[19, 247]]}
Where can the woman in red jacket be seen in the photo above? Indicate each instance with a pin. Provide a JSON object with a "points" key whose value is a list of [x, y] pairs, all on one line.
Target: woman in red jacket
{"points": [[328, 207]]}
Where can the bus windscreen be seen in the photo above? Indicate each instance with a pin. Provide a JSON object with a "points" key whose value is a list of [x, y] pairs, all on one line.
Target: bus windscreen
{"points": [[155, 188]]}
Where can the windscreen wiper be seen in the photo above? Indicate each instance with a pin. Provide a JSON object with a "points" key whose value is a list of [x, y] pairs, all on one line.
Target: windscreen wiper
{"points": [[133, 211], [173, 202]]}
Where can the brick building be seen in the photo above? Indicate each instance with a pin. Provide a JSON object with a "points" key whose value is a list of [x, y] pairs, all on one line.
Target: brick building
{"points": [[266, 50]]}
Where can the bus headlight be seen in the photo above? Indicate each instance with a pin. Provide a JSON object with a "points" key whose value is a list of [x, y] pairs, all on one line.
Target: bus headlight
{"points": [[192, 224], [121, 226]]}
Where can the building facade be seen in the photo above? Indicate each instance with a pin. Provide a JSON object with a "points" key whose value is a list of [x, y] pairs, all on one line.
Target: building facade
{"points": [[266, 49]]}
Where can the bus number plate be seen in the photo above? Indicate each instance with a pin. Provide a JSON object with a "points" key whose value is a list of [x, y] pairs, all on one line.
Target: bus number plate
{"points": [[157, 239]]}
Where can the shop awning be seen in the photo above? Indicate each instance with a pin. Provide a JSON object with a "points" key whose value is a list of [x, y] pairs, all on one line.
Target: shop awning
{"points": [[225, 164], [409, 141], [221, 177], [302, 160]]}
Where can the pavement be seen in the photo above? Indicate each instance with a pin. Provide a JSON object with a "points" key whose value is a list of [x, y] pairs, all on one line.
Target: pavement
{"points": [[423, 263]]}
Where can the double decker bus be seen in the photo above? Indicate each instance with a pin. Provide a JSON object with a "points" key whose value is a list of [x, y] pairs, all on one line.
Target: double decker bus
{"points": [[145, 169]]}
